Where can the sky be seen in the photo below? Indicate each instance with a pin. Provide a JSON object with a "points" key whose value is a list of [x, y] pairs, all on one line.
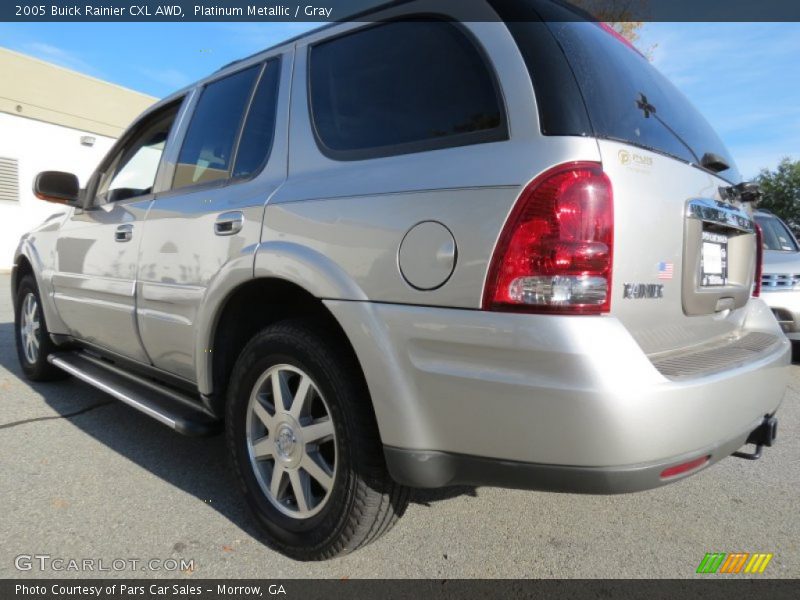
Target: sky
{"points": [[744, 77]]}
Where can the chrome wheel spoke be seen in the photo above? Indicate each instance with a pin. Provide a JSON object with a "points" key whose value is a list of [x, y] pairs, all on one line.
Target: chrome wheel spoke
{"points": [[267, 420], [30, 307], [300, 397], [275, 486], [311, 467], [318, 432], [280, 391], [301, 490], [263, 449]]}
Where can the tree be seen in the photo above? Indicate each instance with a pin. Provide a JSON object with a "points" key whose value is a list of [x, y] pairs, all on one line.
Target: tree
{"points": [[781, 191], [619, 14]]}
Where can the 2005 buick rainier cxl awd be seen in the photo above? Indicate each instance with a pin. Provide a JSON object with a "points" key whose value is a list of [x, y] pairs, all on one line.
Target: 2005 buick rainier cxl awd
{"points": [[419, 251]]}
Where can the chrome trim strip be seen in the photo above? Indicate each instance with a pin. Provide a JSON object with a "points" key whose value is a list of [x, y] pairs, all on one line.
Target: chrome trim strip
{"points": [[142, 381], [719, 213], [72, 370]]}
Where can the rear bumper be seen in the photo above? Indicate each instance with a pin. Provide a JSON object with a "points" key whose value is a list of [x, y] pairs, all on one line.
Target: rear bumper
{"points": [[786, 307], [442, 469], [548, 402]]}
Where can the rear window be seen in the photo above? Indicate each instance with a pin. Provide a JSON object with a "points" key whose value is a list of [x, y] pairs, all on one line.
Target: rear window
{"points": [[629, 100], [776, 236], [402, 87]]}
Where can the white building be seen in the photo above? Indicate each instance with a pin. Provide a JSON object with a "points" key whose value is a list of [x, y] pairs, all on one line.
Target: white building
{"points": [[51, 119]]}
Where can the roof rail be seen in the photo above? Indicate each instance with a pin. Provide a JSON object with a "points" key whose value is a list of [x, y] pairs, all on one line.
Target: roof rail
{"points": [[382, 5]]}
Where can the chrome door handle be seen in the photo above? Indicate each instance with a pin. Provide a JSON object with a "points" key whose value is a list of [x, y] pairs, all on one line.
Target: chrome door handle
{"points": [[124, 233], [229, 223]]}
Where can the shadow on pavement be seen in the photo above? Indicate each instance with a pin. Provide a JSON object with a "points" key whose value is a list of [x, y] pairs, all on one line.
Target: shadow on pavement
{"points": [[198, 466]]}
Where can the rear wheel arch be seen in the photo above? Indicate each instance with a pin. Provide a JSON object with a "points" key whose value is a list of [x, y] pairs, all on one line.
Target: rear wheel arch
{"points": [[250, 308]]}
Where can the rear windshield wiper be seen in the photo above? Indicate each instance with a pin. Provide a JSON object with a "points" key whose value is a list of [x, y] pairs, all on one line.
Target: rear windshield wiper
{"points": [[710, 161], [649, 110]]}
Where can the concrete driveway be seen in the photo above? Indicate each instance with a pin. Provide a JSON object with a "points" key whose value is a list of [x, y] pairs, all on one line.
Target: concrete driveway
{"points": [[85, 477]]}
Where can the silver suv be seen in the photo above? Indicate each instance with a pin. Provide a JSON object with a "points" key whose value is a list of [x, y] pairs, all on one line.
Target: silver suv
{"points": [[430, 249]]}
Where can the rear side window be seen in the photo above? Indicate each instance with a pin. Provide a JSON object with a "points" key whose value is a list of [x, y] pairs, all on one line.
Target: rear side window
{"points": [[259, 129], [207, 152], [402, 87]]}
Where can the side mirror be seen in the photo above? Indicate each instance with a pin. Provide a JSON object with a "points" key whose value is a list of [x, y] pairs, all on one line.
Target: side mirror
{"points": [[58, 187]]}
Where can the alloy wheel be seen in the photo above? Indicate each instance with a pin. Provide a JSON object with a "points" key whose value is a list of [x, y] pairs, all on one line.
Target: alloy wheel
{"points": [[30, 328], [291, 441]]}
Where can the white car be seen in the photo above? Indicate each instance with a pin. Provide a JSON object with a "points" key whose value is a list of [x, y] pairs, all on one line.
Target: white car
{"points": [[780, 279]]}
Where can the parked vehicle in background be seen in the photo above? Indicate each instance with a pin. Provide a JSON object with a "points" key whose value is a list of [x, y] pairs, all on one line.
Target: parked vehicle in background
{"points": [[424, 251], [780, 279]]}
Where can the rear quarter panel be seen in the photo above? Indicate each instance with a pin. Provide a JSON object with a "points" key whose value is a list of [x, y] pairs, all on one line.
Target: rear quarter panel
{"points": [[356, 213]]}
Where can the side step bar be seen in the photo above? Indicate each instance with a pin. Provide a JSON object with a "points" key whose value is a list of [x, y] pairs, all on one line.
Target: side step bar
{"points": [[170, 407]]}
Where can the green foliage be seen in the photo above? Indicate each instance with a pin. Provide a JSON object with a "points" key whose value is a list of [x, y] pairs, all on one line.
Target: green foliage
{"points": [[781, 191], [618, 14]]}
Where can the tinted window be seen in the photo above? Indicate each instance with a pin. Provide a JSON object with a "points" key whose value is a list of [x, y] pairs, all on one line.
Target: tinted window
{"points": [[259, 129], [402, 87], [558, 97], [775, 235], [613, 79], [133, 171], [207, 151]]}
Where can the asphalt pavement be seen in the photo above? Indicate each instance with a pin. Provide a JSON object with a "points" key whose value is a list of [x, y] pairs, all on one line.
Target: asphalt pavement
{"points": [[85, 477]]}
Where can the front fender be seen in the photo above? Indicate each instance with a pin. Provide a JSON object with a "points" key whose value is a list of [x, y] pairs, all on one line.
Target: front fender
{"points": [[42, 261]]}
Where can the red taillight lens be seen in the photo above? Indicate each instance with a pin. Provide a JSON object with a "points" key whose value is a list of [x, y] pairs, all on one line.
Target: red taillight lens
{"points": [[684, 467], [759, 261], [555, 251]]}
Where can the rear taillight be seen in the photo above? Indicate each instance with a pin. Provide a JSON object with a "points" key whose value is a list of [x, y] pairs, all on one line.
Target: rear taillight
{"points": [[759, 261], [555, 251]]}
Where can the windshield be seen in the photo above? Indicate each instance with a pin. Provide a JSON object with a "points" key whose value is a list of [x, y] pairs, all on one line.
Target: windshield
{"points": [[775, 235], [629, 100]]}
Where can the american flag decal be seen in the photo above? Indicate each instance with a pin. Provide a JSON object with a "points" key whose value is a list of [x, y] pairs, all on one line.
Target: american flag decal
{"points": [[665, 270]]}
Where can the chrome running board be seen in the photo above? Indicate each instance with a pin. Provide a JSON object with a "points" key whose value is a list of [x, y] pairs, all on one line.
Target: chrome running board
{"points": [[170, 407]]}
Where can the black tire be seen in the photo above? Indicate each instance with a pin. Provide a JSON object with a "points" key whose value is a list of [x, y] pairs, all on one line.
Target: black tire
{"points": [[364, 501], [38, 369], [795, 352]]}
